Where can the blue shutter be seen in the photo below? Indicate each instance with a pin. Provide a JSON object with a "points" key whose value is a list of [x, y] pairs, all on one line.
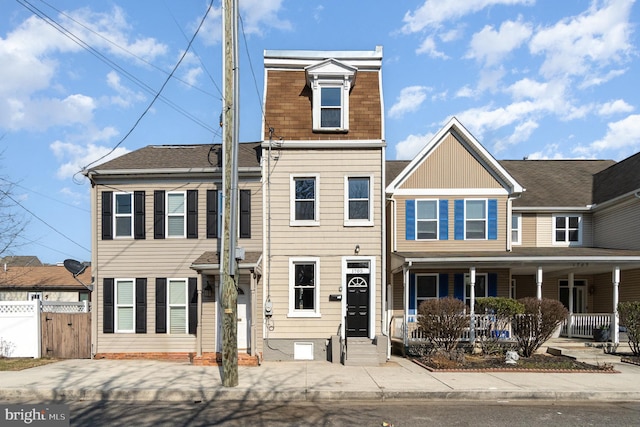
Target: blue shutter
{"points": [[458, 286], [412, 296], [443, 285], [492, 215], [458, 218], [493, 285], [444, 220], [410, 222]]}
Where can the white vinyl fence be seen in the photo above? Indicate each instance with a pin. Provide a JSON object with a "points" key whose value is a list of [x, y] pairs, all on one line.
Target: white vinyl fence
{"points": [[20, 334]]}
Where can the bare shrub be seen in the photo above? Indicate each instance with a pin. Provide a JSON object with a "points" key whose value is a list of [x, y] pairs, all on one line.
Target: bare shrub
{"points": [[630, 318], [537, 324], [501, 311], [442, 322]]}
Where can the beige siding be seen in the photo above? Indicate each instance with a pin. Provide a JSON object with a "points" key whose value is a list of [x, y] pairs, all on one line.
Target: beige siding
{"points": [[167, 258], [329, 242], [450, 166], [617, 227], [545, 226], [529, 230], [451, 244]]}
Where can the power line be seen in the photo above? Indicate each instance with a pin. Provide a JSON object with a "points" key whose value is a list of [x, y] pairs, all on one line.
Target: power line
{"points": [[43, 221], [44, 195], [159, 91], [52, 22]]}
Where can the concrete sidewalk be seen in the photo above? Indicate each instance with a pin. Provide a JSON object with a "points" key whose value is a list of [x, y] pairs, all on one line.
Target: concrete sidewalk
{"points": [[400, 378]]}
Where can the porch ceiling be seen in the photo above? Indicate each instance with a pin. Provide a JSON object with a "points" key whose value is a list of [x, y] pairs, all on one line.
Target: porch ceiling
{"points": [[524, 260], [209, 262]]}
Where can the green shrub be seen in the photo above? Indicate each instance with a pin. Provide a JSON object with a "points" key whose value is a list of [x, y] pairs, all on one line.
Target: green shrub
{"points": [[537, 324], [629, 313], [502, 310], [442, 322]]}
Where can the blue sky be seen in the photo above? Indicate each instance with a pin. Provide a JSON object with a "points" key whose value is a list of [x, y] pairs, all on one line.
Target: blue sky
{"points": [[540, 79]]}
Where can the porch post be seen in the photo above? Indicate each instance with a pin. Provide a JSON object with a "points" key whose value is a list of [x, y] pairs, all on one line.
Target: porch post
{"points": [[472, 304], [539, 283], [616, 317], [570, 326], [199, 320], [405, 320]]}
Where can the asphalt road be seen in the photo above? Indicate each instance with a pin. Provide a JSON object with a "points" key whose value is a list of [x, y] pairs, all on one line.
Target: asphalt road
{"points": [[405, 413]]}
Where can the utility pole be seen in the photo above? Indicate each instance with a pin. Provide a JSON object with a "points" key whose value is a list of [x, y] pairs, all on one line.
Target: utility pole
{"points": [[228, 267]]}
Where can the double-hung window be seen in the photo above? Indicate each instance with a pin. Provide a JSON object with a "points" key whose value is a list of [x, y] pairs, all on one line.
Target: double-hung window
{"points": [[426, 219], [177, 306], [516, 229], [358, 206], [426, 287], [304, 200], [475, 219], [124, 305], [567, 229], [330, 82], [123, 216], [304, 289], [176, 214]]}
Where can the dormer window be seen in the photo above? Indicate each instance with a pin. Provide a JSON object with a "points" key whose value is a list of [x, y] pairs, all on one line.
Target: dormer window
{"points": [[330, 82]]}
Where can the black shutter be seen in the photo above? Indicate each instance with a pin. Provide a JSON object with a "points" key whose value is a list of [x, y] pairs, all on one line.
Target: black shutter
{"points": [[212, 214], [138, 215], [107, 215], [192, 214], [141, 306], [107, 305], [161, 305], [245, 214], [158, 214], [193, 304]]}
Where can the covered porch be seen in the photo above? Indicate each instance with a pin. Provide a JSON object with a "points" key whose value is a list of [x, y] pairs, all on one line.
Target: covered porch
{"points": [[588, 281]]}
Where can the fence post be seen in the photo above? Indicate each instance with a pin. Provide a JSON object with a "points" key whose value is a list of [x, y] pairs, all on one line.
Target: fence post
{"points": [[37, 310], [85, 306]]}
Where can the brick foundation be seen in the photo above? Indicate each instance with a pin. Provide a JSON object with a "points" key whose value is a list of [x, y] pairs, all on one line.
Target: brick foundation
{"points": [[207, 359]]}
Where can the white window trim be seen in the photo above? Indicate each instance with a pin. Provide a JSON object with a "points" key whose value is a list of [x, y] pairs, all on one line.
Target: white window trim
{"points": [[486, 218], [168, 215], [437, 220], [185, 305], [415, 299], [293, 312], [566, 242], [116, 216], [467, 279], [116, 306], [518, 218], [292, 201], [316, 87], [348, 222]]}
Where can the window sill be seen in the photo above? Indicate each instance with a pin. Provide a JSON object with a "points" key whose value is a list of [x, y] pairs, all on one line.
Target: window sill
{"points": [[304, 314], [352, 223], [331, 130], [304, 223]]}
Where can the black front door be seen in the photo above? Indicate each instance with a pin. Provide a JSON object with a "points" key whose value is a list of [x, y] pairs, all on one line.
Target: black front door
{"points": [[357, 305]]}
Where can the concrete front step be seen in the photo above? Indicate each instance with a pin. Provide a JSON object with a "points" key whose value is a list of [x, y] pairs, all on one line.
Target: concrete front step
{"points": [[361, 352]]}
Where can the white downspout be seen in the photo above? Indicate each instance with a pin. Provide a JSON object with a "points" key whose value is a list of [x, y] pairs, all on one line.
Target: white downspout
{"points": [[539, 283], [472, 305]]}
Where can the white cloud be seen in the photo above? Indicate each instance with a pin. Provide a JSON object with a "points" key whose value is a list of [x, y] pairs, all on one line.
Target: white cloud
{"points": [[621, 135], [75, 156], [581, 44], [614, 107], [41, 113], [429, 47], [490, 46], [411, 146], [125, 96], [434, 12], [409, 100], [549, 152], [521, 133]]}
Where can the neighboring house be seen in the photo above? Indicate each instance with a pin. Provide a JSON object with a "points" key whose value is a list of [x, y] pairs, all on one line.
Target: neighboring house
{"points": [[323, 198], [21, 261], [466, 225], [157, 227], [45, 283]]}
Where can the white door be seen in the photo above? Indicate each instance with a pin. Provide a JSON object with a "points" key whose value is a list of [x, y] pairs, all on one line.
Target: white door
{"points": [[244, 318]]}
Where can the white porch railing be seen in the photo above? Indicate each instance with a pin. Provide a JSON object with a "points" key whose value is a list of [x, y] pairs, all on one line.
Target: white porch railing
{"points": [[581, 325], [485, 326]]}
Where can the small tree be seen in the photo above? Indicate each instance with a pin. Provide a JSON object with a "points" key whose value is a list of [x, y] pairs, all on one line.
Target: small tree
{"points": [[630, 318], [443, 322], [537, 324], [503, 311]]}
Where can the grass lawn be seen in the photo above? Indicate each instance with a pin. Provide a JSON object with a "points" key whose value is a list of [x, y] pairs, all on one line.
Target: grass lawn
{"points": [[20, 363]]}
